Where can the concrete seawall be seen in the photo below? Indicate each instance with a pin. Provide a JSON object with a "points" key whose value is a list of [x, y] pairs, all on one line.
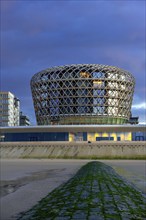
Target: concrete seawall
{"points": [[78, 150]]}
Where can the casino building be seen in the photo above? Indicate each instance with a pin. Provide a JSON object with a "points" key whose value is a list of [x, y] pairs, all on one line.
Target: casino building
{"points": [[82, 102]]}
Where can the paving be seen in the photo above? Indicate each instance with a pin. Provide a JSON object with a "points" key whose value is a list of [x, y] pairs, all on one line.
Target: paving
{"points": [[95, 192]]}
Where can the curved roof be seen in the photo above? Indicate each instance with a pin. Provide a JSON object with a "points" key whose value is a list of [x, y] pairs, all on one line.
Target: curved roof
{"points": [[88, 67]]}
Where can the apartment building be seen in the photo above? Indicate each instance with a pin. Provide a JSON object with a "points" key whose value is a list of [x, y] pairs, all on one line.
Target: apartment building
{"points": [[9, 109]]}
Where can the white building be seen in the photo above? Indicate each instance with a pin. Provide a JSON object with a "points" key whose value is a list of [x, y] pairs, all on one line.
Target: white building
{"points": [[9, 109]]}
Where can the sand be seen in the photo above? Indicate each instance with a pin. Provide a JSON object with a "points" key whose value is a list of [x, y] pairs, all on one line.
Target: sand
{"points": [[26, 181]]}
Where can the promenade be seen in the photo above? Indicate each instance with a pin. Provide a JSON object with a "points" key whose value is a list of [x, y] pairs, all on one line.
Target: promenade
{"points": [[25, 182], [95, 192]]}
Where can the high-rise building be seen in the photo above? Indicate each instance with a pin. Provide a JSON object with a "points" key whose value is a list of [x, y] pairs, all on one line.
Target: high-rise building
{"points": [[9, 109]]}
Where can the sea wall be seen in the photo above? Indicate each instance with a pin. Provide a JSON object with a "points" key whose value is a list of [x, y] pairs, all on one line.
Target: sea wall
{"points": [[81, 150]]}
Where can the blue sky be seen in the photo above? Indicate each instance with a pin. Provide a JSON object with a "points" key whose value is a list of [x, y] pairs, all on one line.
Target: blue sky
{"points": [[36, 35]]}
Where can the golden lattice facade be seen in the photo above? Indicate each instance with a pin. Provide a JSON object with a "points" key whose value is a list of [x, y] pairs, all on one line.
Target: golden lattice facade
{"points": [[82, 94]]}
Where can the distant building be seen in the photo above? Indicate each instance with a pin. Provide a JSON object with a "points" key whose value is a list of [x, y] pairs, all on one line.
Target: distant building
{"points": [[24, 120], [133, 120], [9, 109]]}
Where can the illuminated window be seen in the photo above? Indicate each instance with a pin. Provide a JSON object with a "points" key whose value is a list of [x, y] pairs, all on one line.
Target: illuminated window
{"points": [[84, 74], [98, 84]]}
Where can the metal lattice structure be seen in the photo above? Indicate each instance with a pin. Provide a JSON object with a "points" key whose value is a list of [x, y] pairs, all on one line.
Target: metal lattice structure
{"points": [[82, 94]]}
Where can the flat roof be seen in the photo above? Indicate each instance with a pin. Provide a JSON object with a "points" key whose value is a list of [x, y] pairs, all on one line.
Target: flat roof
{"points": [[74, 128]]}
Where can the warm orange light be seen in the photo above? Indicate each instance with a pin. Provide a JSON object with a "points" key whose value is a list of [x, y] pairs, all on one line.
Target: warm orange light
{"points": [[84, 74]]}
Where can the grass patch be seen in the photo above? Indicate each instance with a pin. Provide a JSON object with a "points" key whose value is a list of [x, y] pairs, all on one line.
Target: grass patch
{"points": [[86, 157]]}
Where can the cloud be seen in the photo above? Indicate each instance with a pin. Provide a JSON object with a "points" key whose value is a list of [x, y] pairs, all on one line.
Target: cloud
{"points": [[139, 106], [143, 123]]}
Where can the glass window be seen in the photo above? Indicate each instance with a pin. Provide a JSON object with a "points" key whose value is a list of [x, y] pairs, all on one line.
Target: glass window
{"points": [[98, 75], [98, 92], [98, 84], [98, 110]]}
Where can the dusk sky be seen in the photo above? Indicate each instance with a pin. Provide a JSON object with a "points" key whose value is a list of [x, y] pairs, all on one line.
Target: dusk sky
{"points": [[36, 35]]}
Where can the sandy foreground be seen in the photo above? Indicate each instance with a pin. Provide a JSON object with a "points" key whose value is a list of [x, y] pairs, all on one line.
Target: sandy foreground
{"points": [[25, 181]]}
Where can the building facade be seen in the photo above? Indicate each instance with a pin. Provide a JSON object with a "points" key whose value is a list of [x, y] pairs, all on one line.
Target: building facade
{"points": [[82, 94], [74, 133], [9, 109]]}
